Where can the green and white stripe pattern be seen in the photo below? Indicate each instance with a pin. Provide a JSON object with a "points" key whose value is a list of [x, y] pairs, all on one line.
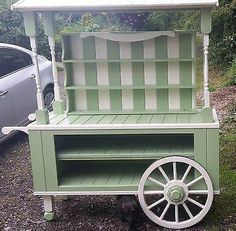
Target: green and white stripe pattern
{"points": [[142, 71]]}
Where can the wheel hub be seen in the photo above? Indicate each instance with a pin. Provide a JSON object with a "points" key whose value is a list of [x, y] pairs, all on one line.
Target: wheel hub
{"points": [[176, 194]]}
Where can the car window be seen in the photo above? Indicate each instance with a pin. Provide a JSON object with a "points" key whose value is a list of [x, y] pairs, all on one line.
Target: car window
{"points": [[12, 60]]}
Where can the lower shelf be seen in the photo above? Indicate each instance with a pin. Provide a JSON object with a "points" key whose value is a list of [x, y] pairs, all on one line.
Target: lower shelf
{"points": [[101, 175]]}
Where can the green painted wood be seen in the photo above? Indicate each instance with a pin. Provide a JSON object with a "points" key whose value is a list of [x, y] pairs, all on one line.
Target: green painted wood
{"points": [[58, 107], [89, 48], [50, 163], [138, 74], [206, 20], [144, 119], [158, 60], [185, 45], [207, 115], [162, 100], [162, 74], [200, 147], [115, 100], [183, 118], [68, 120], [90, 70], [132, 119], [49, 23], [67, 49], [139, 100], [113, 50], [58, 119], [94, 119], [186, 101], [156, 119], [195, 118], [92, 100], [185, 70], [161, 47], [42, 116], [71, 103], [30, 23], [107, 119], [137, 50], [82, 119], [114, 74], [37, 160], [213, 156], [120, 119], [170, 119]]}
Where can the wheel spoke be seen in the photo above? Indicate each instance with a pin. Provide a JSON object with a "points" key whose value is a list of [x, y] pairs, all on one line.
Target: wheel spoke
{"points": [[187, 210], [177, 213], [156, 203], [186, 173], [156, 182], [196, 203], [164, 174], [165, 211], [198, 192], [174, 170], [152, 192], [194, 181]]}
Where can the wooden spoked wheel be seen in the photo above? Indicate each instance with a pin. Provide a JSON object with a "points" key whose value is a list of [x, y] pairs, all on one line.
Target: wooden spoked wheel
{"points": [[175, 192]]}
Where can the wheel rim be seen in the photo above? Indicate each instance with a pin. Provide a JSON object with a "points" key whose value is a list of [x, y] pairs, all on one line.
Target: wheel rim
{"points": [[182, 186], [48, 100]]}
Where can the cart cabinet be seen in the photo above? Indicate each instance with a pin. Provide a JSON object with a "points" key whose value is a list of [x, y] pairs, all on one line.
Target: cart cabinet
{"points": [[131, 125]]}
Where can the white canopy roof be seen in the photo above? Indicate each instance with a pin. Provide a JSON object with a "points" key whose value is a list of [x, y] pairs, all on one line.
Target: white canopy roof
{"points": [[71, 5]]}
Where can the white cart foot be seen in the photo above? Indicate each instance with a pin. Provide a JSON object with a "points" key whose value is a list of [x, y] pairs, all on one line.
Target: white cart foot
{"points": [[48, 202]]}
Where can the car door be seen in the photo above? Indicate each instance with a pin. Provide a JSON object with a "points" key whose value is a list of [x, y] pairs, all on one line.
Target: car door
{"points": [[21, 83], [6, 110]]}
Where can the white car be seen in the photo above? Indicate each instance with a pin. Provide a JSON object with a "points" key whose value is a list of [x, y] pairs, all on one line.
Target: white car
{"points": [[18, 86]]}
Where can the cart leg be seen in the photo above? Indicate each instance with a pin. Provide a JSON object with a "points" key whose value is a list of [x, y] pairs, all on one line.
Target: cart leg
{"points": [[48, 202]]}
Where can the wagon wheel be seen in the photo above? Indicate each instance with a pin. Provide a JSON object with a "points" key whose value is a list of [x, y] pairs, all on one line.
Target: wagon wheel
{"points": [[175, 192]]}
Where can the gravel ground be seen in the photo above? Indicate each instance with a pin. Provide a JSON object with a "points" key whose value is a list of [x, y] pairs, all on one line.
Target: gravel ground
{"points": [[21, 210]]}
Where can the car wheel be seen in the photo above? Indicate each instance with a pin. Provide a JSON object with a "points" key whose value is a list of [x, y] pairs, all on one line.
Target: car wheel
{"points": [[48, 96]]}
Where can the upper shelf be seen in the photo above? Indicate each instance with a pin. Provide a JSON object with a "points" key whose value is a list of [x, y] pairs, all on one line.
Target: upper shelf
{"points": [[72, 5]]}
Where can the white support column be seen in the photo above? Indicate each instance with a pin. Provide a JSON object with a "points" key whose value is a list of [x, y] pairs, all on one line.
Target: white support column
{"points": [[51, 42], [33, 43], [48, 202], [206, 78]]}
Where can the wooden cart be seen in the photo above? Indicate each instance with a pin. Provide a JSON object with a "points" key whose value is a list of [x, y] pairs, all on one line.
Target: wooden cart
{"points": [[131, 125]]}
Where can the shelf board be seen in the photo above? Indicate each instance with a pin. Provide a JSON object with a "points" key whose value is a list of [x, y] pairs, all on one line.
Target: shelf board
{"points": [[123, 147], [125, 87], [128, 60]]}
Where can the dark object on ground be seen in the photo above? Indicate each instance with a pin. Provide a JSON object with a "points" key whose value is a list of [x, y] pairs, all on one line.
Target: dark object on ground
{"points": [[128, 209]]}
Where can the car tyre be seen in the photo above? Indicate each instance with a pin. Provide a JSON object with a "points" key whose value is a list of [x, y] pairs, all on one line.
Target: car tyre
{"points": [[48, 97]]}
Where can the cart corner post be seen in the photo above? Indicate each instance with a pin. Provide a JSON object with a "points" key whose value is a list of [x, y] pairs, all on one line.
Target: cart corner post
{"points": [[31, 30], [49, 28]]}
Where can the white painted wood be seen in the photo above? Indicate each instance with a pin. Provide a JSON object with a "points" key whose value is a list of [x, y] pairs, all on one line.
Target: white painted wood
{"points": [[104, 99], [81, 100], [149, 68], [125, 68], [7, 130], [79, 74], [72, 5], [33, 44], [173, 46], [127, 100], [150, 99], [173, 73], [149, 51], [77, 47], [206, 78], [80, 193], [31, 117], [51, 41], [102, 74], [150, 75], [174, 99], [131, 37], [48, 202]]}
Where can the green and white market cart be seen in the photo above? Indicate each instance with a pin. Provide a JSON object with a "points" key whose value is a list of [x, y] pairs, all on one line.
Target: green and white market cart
{"points": [[131, 125]]}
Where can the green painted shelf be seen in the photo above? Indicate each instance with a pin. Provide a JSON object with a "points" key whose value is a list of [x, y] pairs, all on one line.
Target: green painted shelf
{"points": [[129, 60], [125, 87]]}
